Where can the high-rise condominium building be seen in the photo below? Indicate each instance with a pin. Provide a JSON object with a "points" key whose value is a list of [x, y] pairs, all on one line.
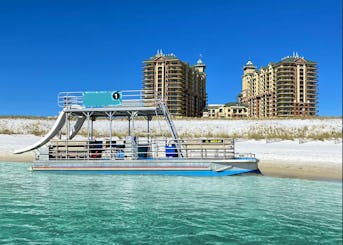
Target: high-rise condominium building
{"points": [[182, 86], [284, 89]]}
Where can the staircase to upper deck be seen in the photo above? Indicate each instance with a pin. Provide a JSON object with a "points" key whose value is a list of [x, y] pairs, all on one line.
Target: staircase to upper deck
{"points": [[171, 126]]}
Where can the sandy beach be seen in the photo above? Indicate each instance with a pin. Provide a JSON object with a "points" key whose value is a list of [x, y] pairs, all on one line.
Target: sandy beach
{"points": [[310, 160]]}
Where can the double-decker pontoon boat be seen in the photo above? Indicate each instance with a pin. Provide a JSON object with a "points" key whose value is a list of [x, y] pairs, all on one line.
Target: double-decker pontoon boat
{"points": [[59, 151]]}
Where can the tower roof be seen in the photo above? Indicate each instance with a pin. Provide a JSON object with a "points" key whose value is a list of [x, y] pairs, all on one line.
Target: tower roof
{"points": [[161, 54], [249, 64], [200, 66], [295, 57]]}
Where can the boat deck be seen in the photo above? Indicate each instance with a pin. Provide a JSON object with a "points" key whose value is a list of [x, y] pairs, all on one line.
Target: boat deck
{"points": [[138, 148]]}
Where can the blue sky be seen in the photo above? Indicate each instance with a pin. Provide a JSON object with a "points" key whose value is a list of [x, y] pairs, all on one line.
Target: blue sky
{"points": [[51, 46]]}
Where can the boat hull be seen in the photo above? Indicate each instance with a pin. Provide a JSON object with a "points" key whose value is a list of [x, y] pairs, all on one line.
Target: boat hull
{"points": [[180, 167]]}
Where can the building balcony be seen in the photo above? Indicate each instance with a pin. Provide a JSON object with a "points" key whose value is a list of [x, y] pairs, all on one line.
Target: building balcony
{"points": [[148, 77], [285, 102], [282, 84], [285, 79], [311, 87], [285, 83], [175, 85], [284, 90], [285, 74], [311, 92], [286, 69], [179, 92], [284, 105], [285, 87], [285, 95]]}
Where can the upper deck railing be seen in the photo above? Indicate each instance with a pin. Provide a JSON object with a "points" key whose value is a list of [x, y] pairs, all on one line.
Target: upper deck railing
{"points": [[99, 99]]}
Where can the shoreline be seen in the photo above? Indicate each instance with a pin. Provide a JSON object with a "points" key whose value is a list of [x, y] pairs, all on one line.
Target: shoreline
{"points": [[6, 156], [315, 170], [301, 170]]}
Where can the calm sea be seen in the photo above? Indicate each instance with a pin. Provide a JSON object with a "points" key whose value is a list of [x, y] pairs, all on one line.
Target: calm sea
{"points": [[42, 208]]}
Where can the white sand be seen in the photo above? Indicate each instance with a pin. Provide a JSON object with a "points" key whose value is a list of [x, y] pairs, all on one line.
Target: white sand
{"points": [[9, 143], [311, 160], [326, 152]]}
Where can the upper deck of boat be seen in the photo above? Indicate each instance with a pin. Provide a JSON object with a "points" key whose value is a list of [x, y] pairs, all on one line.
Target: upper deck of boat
{"points": [[130, 103], [118, 111]]}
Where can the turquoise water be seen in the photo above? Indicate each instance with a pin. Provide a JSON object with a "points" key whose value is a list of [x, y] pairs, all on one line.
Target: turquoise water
{"points": [[43, 208]]}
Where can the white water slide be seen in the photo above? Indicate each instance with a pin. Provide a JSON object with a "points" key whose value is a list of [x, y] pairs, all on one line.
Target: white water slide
{"points": [[53, 131], [77, 127]]}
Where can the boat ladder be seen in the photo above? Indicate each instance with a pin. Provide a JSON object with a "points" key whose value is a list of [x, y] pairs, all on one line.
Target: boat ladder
{"points": [[171, 126]]}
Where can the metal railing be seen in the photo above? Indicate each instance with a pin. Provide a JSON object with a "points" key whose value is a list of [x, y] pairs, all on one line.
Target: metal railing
{"points": [[133, 148], [130, 98], [70, 99]]}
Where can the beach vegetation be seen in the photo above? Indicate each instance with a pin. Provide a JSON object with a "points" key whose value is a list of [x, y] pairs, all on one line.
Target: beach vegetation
{"points": [[36, 129], [7, 131], [269, 130]]}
